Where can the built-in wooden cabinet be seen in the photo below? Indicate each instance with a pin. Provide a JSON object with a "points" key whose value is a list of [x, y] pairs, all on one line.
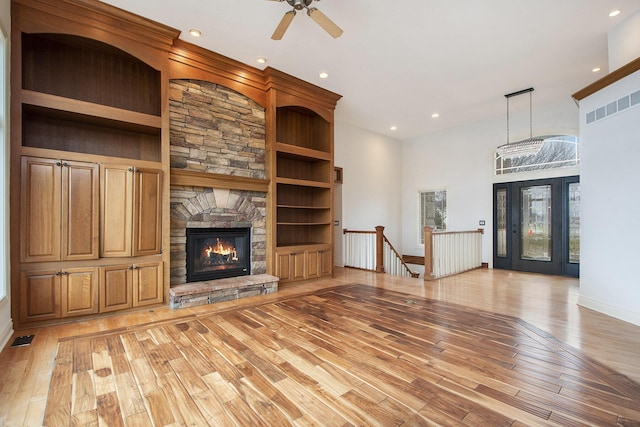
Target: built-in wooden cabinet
{"points": [[58, 293], [290, 264], [130, 215], [88, 154], [303, 173], [304, 176], [59, 204], [130, 285], [303, 262]]}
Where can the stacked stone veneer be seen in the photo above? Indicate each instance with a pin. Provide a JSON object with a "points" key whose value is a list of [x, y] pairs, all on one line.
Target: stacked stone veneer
{"points": [[217, 130]]}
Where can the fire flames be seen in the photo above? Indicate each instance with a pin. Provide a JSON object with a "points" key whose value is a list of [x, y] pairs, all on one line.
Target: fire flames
{"points": [[228, 252]]}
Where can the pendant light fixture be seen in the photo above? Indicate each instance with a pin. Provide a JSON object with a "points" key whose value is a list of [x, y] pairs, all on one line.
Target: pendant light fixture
{"points": [[526, 147]]}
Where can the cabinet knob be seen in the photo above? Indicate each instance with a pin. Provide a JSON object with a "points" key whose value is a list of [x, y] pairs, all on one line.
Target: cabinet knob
{"points": [[58, 163], [58, 273], [130, 169], [65, 164]]}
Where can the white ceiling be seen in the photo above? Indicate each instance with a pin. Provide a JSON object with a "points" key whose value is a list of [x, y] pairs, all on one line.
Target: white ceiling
{"points": [[399, 62]]}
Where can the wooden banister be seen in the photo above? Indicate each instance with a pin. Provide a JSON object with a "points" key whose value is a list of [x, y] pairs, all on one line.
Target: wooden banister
{"points": [[400, 258], [384, 253], [379, 249], [428, 253]]}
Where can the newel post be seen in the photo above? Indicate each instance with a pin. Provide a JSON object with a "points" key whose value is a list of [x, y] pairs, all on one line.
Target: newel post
{"points": [[428, 253], [380, 249]]}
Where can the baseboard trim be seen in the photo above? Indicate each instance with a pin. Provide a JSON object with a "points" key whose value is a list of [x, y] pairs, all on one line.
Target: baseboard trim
{"points": [[609, 310], [5, 334]]}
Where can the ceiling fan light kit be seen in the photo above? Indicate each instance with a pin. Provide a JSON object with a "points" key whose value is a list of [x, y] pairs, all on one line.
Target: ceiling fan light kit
{"points": [[320, 18]]}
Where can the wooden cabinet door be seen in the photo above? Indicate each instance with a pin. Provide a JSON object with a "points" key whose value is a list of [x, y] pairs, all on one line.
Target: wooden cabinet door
{"points": [[39, 295], [313, 264], [298, 269], [116, 212], [319, 263], [326, 262], [79, 289], [116, 284], [40, 210], [291, 265], [59, 210], [80, 186], [283, 269], [147, 212], [147, 284]]}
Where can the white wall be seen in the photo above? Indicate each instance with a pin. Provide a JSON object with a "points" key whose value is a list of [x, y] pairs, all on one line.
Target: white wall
{"points": [[623, 42], [6, 325], [610, 235], [460, 160], [372, 168]]}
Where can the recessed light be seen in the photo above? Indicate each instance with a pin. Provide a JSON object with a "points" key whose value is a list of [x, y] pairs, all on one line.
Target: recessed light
{"points": [[261, 60], [595, 70], [195, 32], [393, 127], [614, 13], [323, 75], [435, 115]]}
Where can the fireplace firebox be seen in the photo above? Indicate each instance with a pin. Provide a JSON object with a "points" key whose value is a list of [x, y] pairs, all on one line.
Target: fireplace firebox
{"points": [[216, 253]]}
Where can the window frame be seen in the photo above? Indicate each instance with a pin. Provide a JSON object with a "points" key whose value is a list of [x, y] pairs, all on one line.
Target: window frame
{"points": [[4, 156], [421, 225]]}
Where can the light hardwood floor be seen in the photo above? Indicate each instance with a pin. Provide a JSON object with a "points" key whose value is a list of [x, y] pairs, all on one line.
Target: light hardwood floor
{"points": [[546, 302]]}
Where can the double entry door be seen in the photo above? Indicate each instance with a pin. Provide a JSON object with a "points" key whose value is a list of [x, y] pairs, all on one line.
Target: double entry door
{"points": [[537, 226]]}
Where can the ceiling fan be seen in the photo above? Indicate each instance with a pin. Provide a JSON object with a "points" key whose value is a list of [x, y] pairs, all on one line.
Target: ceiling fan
{"points": [[321, 19]]}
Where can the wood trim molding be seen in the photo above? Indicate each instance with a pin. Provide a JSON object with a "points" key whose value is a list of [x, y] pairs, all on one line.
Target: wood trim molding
{"points": [[413, 259], [608, 80], [214, 180]]}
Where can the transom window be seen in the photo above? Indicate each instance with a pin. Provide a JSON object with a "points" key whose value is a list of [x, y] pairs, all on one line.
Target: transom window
{"points": [[558, 151]]}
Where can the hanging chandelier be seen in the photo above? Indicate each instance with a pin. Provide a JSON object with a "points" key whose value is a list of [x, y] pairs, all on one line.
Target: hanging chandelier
{"points": [[526, 147]]}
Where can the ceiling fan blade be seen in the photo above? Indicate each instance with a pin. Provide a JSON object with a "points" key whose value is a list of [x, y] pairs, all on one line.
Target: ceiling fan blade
{"points": [[283, 25], [327, 24]]}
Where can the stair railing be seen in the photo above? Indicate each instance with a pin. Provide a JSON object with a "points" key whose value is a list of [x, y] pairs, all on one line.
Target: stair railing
{"points": [[371, 250], [451, 252]]}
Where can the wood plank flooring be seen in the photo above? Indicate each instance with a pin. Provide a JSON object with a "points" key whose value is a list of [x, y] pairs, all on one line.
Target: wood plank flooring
{"points": [[392, 351], [352, 355]]}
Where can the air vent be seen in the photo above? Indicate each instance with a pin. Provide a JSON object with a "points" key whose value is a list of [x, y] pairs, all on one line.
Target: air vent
{"points": [[22, 341], [627, 101]]}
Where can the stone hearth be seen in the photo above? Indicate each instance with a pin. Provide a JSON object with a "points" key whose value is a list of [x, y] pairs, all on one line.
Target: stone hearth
{"points": [[201, 293]]}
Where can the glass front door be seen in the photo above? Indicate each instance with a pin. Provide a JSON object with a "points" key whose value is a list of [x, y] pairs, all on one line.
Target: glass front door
{"points": [[537, 226]]}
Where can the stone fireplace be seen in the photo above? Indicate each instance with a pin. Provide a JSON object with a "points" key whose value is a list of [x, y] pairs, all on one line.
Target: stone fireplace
{"points": [[216, 253], [216, 132], [194, 208]]}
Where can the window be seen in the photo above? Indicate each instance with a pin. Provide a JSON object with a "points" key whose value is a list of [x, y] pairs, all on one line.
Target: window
{"points": [[557, 151], [432, 207], [3, 159]]}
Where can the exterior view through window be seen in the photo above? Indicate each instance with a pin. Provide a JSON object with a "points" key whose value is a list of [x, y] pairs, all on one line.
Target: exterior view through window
{"points": [[432, 211]]}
